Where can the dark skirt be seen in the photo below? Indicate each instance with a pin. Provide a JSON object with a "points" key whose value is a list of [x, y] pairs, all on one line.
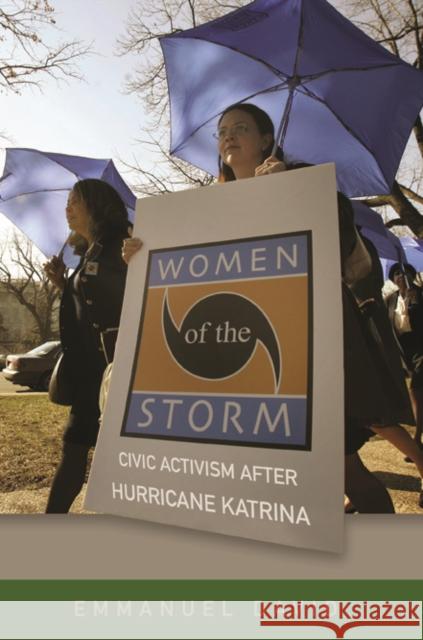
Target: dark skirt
{"points": [[83, 423], [356, 435], [375, 389], [413, 357]]}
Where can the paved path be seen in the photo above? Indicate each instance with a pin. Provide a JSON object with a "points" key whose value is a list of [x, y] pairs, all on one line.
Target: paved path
{"points": [[9, 389], [399, 477]]}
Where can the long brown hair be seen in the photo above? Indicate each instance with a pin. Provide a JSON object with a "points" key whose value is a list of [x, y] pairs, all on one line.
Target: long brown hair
{"points": [[264, 125], [107, 211]]}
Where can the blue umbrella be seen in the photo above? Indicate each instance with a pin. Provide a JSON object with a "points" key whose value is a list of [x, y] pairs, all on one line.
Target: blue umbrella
{"points": [[413, 249], [35, 186], [387, 244], [333, 93], [390, 248]]}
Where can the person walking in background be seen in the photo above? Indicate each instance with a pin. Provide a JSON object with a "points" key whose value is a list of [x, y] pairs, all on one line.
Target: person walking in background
{"points": [[368, 294], [90, 308], [405, 311]]}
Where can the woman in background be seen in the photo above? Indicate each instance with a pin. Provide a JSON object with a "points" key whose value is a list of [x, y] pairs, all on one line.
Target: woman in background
{"points": [[90, 311], [405, 311]]}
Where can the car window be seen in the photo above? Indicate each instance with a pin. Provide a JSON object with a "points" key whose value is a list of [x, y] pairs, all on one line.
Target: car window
{"points": [[43, 349]]}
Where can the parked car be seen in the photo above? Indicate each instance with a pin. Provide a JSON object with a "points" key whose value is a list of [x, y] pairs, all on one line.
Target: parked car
{"points": [[3, 357], [34, 368]]}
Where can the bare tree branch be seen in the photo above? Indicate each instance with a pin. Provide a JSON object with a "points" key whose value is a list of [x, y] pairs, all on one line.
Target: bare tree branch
{"points": [[408, 214], [418, 132], [412, 195], [146, 23], [24, 56], [395, 222], [23, 277], [397, 24]]}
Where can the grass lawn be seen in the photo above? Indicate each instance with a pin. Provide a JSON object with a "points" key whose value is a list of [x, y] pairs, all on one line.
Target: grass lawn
{"points": [[30, 441], [31, 430]]}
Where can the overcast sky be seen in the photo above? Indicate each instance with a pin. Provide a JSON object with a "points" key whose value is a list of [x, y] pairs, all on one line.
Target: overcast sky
{"points": [[95, 117], [92, 118]]}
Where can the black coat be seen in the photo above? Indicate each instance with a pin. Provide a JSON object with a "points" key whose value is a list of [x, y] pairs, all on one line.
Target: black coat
{"points": [[91, 304], [410, 343], [375, 389], [96, 309]]}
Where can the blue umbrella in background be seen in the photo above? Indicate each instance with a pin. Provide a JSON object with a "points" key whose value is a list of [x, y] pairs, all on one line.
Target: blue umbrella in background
{"points": [[34, 189], [413, 249], [386, 243], [390, 247], [333, 93]]}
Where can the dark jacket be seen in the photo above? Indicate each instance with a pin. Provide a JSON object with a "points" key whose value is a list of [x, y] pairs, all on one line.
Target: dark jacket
{"points": [[415, 312], [100, 276], [375, 389], [410, 342]]}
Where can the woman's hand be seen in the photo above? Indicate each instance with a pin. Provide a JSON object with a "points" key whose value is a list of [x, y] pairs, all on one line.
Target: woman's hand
{"points": [[55, 270], [130, 246], [270, 165], [411, 296]]}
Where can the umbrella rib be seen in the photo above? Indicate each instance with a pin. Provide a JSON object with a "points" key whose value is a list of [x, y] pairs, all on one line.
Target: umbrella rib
{"points": [[312, 95], [5, 176], [252, 95], [30, 193], [300, 39], [283, 126], [315, 76], [280, 136], [55, 161], [277, 87], [286, 76], [279, 74]]}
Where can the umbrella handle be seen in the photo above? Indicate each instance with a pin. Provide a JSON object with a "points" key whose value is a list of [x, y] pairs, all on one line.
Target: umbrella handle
{"points": [[407, 283], [280, 136]]}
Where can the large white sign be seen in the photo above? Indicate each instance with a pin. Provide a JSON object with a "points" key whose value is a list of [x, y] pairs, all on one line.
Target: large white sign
{"points": [[225, 410]]}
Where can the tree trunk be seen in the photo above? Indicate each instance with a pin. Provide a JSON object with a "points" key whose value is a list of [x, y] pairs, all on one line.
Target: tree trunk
{"points": [[418, 132], [406, 210]]}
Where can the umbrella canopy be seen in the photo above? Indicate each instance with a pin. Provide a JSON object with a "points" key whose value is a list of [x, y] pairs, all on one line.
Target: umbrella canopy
{"points": [[339, 96], [386, 243], [35, 186], [390, 247], [413, 249]]}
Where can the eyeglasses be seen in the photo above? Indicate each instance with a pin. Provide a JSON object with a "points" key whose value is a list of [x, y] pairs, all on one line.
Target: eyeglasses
{"points": [[236, 130]]}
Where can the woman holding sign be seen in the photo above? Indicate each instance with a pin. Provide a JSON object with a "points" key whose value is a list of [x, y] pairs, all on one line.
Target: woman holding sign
{"points": [[245, 138]]}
